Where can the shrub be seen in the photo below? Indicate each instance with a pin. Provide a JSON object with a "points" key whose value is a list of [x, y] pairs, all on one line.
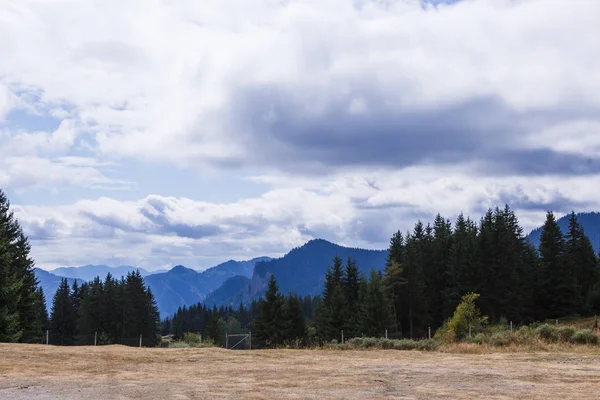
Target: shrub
{"points": [[355, 342], [585, 336], [566, 333], [370, 342], [191, 338], [164, 343], [179, 345], [500, 339], [427, 345], [548, 332], [404, 344], [479, 338]]}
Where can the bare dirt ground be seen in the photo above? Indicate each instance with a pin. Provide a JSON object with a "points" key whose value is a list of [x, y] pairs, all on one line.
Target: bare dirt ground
{"points": [[118, 372]]}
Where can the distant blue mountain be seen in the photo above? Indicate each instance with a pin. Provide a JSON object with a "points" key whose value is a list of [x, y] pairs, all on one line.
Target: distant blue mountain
{"points": [[182, 286], [49, 283], [301, 271], [89, 272], [591, 226]]}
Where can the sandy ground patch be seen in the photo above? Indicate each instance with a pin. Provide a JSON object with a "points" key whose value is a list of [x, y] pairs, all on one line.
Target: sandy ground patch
{"points": [[118, 372]]}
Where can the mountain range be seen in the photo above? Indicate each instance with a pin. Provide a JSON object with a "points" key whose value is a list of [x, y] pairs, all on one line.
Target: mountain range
{"points": [[301, 271]]}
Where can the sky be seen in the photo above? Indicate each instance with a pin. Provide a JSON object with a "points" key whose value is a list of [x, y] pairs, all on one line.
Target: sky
{"points": [[165, 132]]}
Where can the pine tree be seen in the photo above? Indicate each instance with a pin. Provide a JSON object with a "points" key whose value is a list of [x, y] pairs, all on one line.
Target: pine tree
{"points": [[464, 273], [557, 285], [351, 282], [295, 325], [63, 319], [332, 312], [270, 323], [10, 289], [394, 281], [581, 261], [437, 269], [375, 308], [20, 306], [414, 302]]}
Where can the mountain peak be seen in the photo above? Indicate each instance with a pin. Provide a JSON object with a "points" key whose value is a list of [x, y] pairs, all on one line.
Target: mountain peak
{"points": [[179, 269]]}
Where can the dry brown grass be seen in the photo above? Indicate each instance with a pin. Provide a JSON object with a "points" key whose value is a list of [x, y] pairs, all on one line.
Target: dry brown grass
{"points": [[37, 371]]}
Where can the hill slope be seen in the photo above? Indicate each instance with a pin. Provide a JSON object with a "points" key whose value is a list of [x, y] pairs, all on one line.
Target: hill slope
{"points": [[183, 286], [302, 271], [590, 222]]}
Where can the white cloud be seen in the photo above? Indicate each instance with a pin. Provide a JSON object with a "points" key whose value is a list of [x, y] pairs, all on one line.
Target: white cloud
{"points": [[349, 88], [361, 209], [166, 80]]}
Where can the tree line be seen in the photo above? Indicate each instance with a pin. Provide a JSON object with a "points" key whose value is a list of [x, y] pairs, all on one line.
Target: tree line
{"points": [[110, 311], [290, 315], [429, 270]]}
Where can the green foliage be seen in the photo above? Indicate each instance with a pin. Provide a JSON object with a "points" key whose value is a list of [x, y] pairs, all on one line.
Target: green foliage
{"points": [[585, 336], [270, 323], [389, 344], [467, 319], [21, 312], [548, 332], [191, 338]]}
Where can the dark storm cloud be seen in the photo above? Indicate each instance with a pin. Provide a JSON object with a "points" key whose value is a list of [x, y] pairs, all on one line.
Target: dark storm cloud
{"points": [[280, 131]]}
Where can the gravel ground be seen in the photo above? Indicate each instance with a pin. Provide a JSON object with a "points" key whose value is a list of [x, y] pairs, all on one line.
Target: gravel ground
{"points": [[118, 372]]}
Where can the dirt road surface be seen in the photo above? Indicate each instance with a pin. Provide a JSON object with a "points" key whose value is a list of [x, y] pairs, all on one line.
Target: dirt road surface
{"points": [[118, 372]]}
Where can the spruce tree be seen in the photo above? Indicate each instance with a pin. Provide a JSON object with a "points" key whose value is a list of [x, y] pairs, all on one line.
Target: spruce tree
{"points": [[556, 283], [20, 306], [394, 281], [351, 282], [270, 323], [581, 261], [375, 308], [63, 319], [295, 325]]}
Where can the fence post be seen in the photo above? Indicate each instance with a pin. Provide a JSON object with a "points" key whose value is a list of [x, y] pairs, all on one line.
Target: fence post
{"points": [[511, 328], [95, 338], [386, 334], [47, 336], [429, 332], [140, 340], [556, 322], [226, 340], [342, 336], [250, 333], [469, 330]]}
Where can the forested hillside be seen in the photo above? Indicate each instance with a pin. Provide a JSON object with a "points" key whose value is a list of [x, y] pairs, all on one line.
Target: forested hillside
{"points": [[427, 273], [300, 271]]}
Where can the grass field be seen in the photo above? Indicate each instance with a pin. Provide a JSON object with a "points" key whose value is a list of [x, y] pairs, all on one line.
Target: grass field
{"points": [[118, 372]]}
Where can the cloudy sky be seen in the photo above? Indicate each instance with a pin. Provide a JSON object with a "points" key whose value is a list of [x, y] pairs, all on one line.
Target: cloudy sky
{"points": [[163, 132]]}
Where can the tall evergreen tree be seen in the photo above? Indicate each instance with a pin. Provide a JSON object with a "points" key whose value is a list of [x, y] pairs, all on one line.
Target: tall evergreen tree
{"points": [[270, 323], [63, 319], [375, 308], [394, 281], [294, 323], [20, 306], [581, 261], [557, 285], [351, 282]]}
